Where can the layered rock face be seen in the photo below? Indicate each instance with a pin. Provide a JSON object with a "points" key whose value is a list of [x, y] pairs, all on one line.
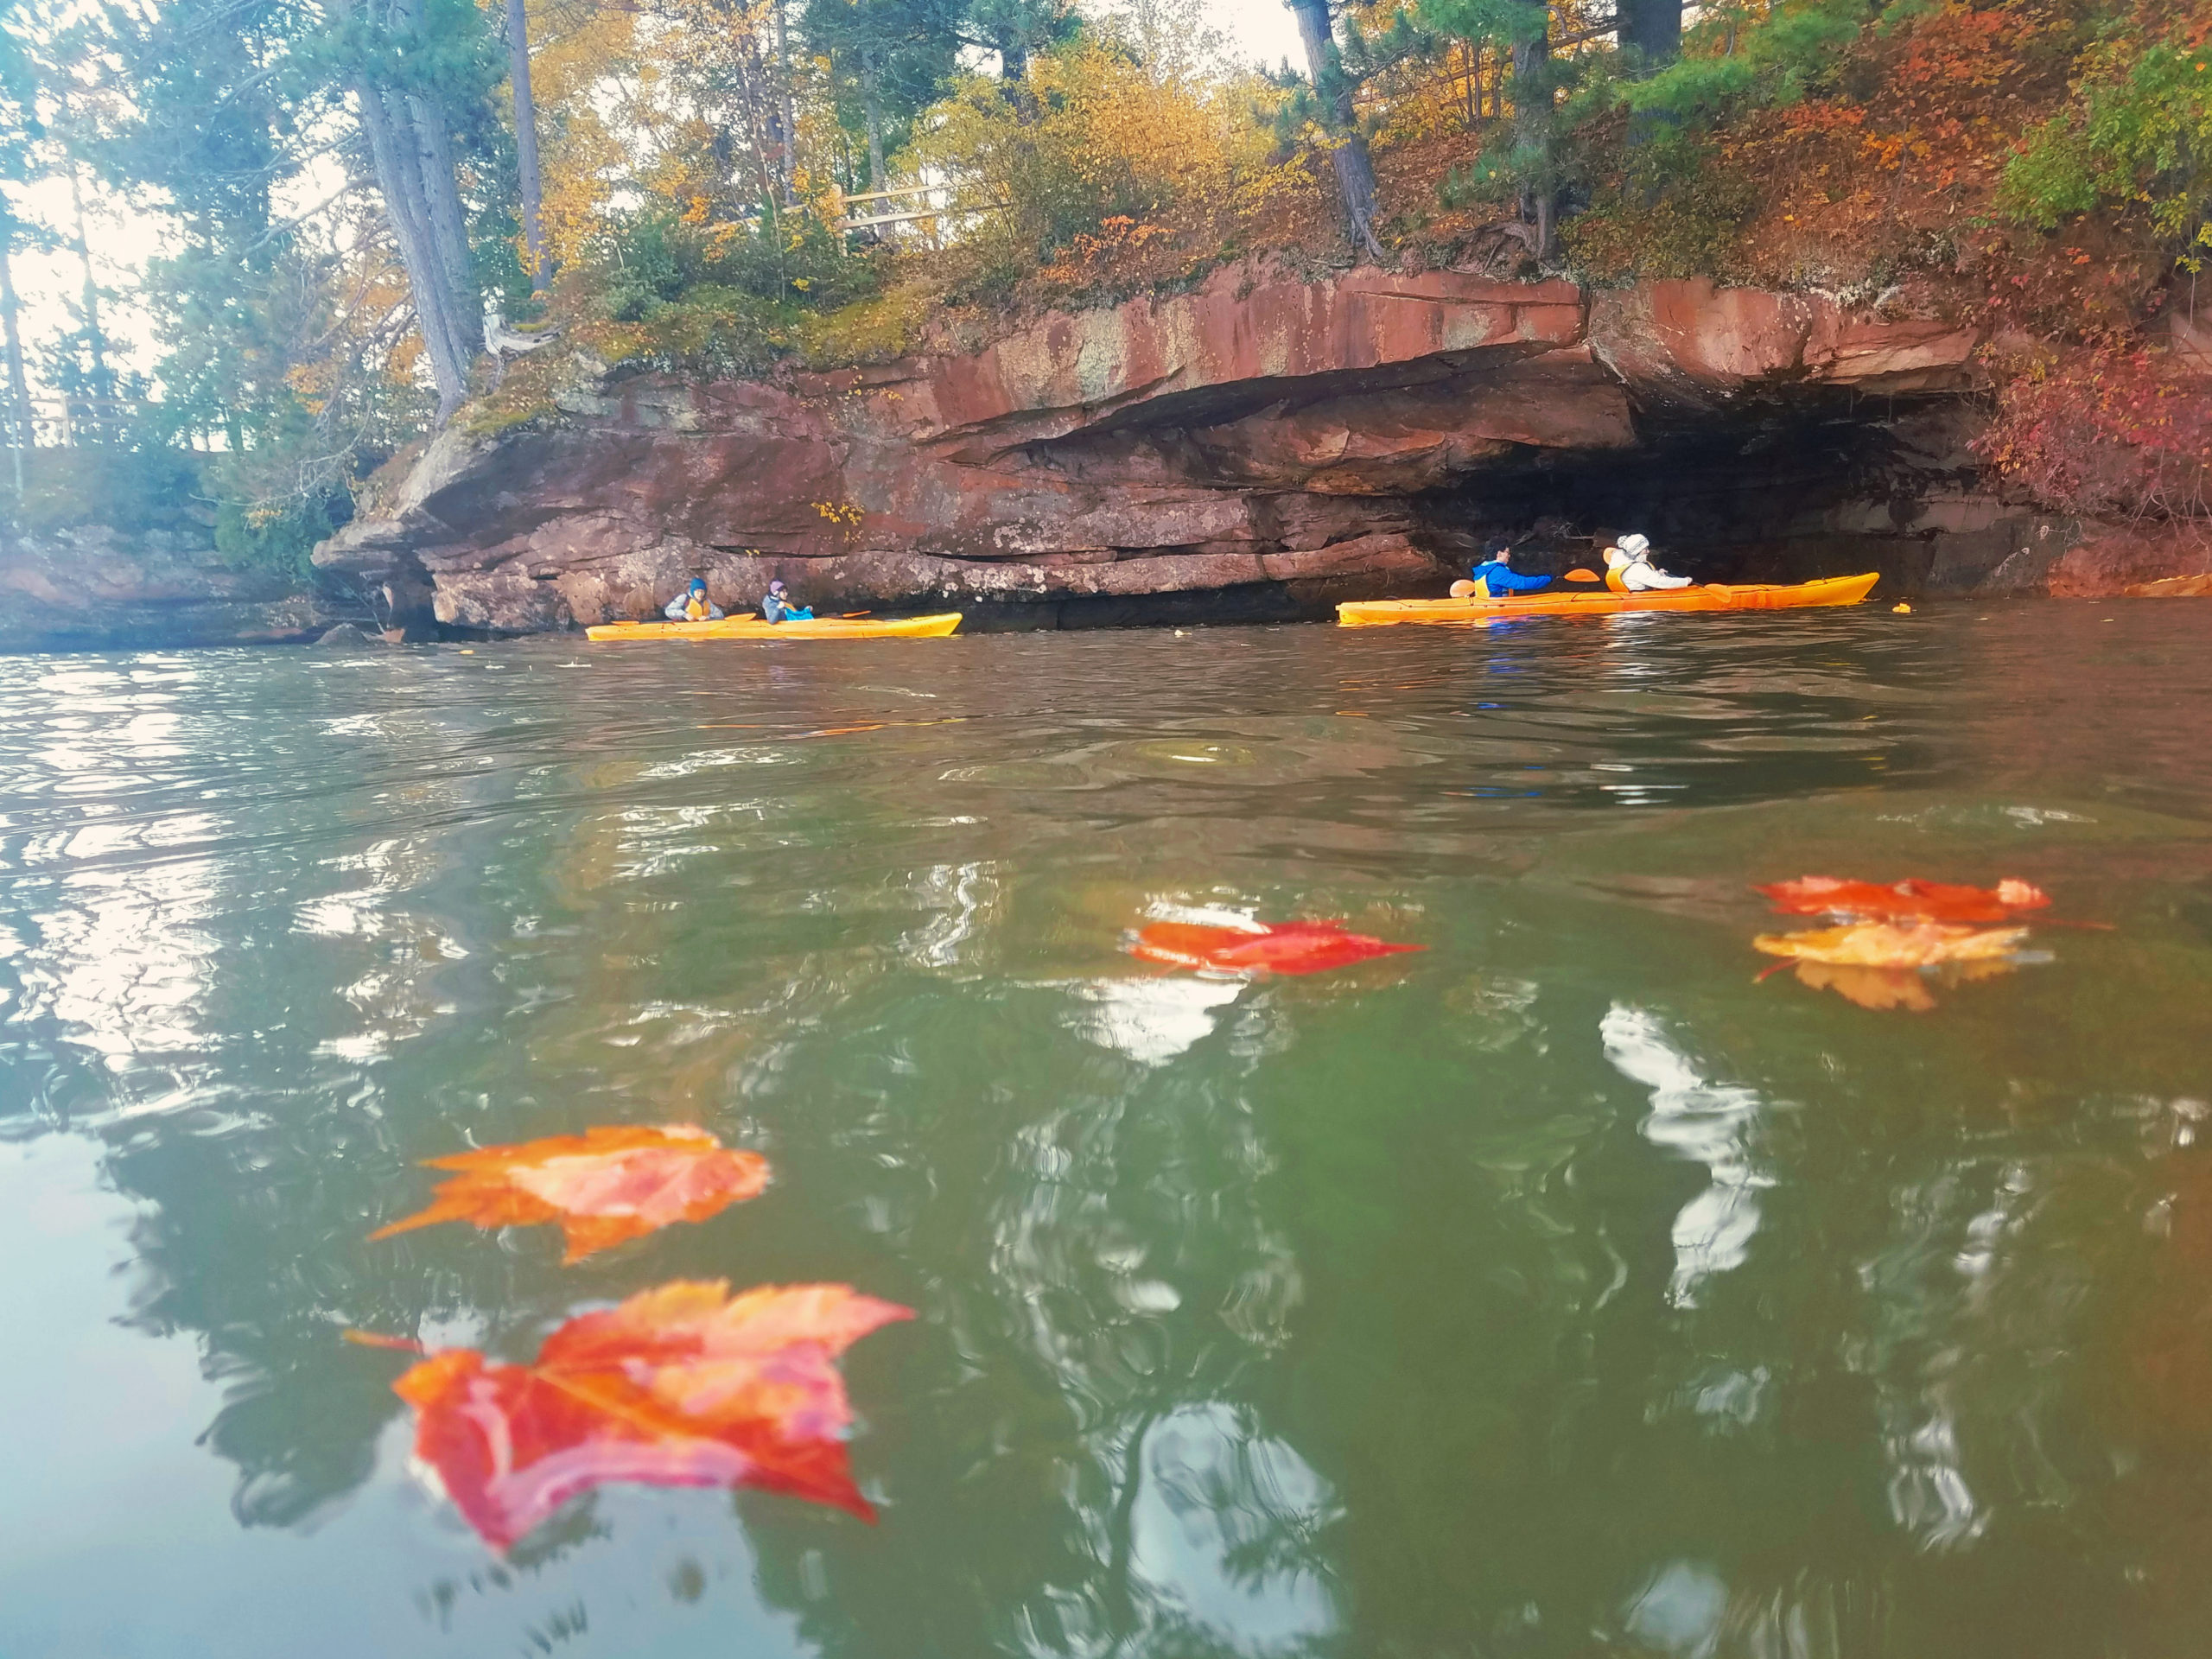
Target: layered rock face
{"points": [[1314, 440]]}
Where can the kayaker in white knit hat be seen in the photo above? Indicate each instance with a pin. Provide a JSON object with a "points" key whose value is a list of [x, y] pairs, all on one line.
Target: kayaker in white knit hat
{"points": [[1629, 568]]}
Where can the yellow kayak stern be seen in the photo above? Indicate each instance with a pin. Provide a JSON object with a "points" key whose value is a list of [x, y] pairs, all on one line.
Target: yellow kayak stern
{"points": [[753, 627], [1710, 597]]}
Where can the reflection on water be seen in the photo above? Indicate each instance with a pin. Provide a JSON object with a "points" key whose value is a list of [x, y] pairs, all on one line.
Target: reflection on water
{"points": [[1696, 1119], [1556, 1290]]}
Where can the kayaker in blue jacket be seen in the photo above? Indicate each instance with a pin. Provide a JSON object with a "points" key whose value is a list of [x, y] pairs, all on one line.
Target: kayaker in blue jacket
{"points": [[1497, 574], [777, 606]]}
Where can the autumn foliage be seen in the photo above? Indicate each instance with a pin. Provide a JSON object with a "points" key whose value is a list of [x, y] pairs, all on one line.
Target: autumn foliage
{"points": [[2118, 429], [1885, 945], [1910, 899], [683, 1385], [1894, 942], [1261, 948], [603, 1187], [1101, 170]]}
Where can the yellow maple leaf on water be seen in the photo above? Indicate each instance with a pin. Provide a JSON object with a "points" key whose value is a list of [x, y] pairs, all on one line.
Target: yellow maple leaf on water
{"points": [[1881, 965], [1885, 945], [1870, 988], [1893, 988]]}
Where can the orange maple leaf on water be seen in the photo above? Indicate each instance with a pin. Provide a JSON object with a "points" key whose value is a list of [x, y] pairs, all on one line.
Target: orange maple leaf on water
{"points": [[604, 1186], [1910, 899], [685, 1385], [1263, 948]]}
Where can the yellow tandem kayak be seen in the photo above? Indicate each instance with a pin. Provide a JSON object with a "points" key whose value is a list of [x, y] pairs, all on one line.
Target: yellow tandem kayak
{"points": [[1599, 601], [752, 628]]}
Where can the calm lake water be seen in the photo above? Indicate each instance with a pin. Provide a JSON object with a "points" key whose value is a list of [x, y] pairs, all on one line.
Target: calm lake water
{"points": [[1558, 1291]]}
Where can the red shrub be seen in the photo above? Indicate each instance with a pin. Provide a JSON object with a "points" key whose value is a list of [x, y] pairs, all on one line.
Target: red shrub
{"points": [[2102, 430]]}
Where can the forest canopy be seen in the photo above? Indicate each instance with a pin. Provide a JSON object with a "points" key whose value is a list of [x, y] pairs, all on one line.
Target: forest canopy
{"points": [[381, 217]]}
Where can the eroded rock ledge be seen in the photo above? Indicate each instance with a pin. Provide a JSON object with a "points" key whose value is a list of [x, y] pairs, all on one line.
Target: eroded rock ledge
{"points": [[1259, 436]]}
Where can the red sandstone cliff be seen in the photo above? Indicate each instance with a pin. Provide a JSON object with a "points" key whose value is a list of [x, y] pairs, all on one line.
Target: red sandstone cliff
{"points": [[1258, 431]]}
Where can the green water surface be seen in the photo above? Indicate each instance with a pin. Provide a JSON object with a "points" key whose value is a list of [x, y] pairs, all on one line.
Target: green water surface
{"points": [[1556, 1291]]}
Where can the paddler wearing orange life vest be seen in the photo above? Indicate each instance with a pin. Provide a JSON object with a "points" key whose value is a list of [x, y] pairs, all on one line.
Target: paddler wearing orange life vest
{"points": [[1629, 569], [1495, 577], [692, 605]]}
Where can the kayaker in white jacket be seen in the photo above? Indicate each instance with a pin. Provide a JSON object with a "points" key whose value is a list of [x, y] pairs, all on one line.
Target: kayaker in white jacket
{"points": [[1629, 569]]}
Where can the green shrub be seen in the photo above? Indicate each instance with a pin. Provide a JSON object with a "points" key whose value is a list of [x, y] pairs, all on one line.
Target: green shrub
{"points": [[658, 257], [1669, 211], [2139, 131], [130, 490], [274, 536]]}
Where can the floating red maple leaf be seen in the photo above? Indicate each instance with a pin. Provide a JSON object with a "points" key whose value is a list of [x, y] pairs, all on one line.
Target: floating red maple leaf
{"points": [[1908, 900], [683, 1385], [1273, 948], [604, 1186]]}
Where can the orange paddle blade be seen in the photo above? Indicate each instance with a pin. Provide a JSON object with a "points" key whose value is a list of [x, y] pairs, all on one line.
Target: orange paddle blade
{"points": [[1584, 576]]}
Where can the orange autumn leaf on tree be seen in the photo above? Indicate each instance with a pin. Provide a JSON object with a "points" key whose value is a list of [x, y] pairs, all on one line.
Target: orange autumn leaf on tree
{"points": [[604, 1186], [685, 1385], [1908, 900], [1273, 948]]}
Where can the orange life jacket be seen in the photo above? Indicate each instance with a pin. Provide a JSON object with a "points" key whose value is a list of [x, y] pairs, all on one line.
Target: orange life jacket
{"points": [[1615, 582]]}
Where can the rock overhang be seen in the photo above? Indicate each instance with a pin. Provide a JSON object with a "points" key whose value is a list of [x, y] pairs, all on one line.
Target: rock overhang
{"points": [[1221, 437]]}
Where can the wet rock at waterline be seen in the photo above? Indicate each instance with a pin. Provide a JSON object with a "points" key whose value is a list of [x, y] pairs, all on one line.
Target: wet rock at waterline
{"points": [[348, 636]]}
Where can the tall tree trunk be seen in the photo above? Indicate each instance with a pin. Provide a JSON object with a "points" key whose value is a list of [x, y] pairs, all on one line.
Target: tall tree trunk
{"points": [[19, 395], [872, 99], [533, 208], [426, 122], [410, 150], [1355, 168], [448, 219], [95, 338], [1654, 27], [787, 112], [396, 159], [1653, 30], [1532, 131]]}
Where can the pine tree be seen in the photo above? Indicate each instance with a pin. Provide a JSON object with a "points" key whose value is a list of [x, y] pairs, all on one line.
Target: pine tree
{"points": [[888, 59]]}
